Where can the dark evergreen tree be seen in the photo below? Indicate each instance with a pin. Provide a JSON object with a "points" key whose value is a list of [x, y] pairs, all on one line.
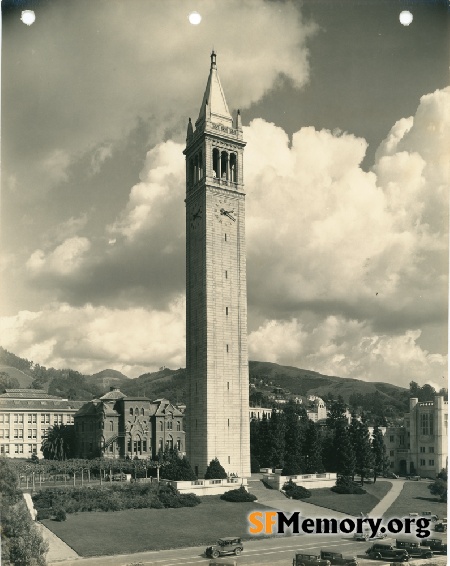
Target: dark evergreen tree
{"points": [[360, 438], [264, 443], [175, 468], [336, 410], [277, 431], [313, 449], [345, 457], [380, 459], [293, 461], [215, 471]]}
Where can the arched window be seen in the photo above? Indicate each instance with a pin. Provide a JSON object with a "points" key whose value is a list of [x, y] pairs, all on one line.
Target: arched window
{"points": [[224, 164], [179, 445], [161, 425], [233, 168], [216, 163], [136, 411], [111, 426], [200, 165], [169, 443], [142, 411], [178, 425], [131, 410]]}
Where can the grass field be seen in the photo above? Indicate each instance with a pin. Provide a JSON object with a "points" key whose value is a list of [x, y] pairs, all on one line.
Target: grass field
{"points": [[414, 498], [122, 532], [350, 504]]}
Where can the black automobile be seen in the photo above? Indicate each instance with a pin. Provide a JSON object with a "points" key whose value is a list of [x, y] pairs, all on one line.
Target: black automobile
{"points": [[436, 544], [414, 549], [387, 552], [338, 559], [226, 545]]}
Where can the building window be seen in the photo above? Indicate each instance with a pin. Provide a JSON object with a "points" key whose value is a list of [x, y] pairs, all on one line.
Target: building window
{"points": [[431, 462], [144, 446], [391, 439], [228, 385], [431, 449], [422, 462], [169, 425], [1, 418], [225, 237], [426, 424], [29, 433], [16, 418], [160, 444], [131, 410], [179, 445], [142, 412], [178, 425], [226, 311], [136, 411], [228, 349], [161, 425], [111, 426], [226, 274], [422, 449], [229, 459], [228, 423]]}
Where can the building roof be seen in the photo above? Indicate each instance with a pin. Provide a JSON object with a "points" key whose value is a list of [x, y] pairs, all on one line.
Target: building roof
{"points": [[113, 393], [214, 106], [29, 394], [42, 405]]}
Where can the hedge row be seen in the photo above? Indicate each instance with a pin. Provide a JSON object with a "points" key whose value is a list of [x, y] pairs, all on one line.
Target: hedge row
{"points": [[240, 495], [109, 498]]}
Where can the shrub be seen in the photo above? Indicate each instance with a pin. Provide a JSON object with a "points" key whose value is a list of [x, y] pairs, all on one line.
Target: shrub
{"points": [[43, 513], [215, 471], [296, 491], [240, 495], [345, 485], [60, 515]]}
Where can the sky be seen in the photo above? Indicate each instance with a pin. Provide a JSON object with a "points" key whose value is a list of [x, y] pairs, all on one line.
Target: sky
{"points": [[346, 170]]}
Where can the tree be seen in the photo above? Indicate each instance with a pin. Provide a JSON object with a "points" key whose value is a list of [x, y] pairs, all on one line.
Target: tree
{"points": [[175, 468], [345, 456], [277, 440], [336, 410], [439, 488], [360, 438], [293, 461], [380, 459], [22, 543], [215, 471], [59, 442], [313, 449]]}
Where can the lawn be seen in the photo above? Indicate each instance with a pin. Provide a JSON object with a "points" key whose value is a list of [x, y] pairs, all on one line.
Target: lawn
{"points": [[122, 532], [350, 504], [414, 498]]}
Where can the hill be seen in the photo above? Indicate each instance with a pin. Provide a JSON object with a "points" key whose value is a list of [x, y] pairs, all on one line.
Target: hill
{"points": [[108, 378], [24, 381]]}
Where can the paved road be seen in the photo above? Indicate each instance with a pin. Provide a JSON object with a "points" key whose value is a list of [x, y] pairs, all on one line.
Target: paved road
{"points": [[277, 551]]}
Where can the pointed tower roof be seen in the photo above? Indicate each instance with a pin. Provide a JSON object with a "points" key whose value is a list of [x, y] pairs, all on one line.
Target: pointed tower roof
{"points": [[214, 106]]}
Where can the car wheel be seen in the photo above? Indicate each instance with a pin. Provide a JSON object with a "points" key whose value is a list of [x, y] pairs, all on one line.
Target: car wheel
{"points": [[429, 555], [237, 551], [377, 556], [215, 554]]}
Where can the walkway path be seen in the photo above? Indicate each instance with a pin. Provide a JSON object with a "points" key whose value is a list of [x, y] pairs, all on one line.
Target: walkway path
{"points": [[275, 499], [384, 504]]}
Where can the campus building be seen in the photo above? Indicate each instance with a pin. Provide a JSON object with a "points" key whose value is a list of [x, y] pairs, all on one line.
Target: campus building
{"points": [[117, 426], [216, 291], [25, 417], [420, 445]]}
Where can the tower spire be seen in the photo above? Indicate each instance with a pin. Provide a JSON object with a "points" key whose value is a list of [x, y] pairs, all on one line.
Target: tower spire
{"points": [[214, 105]]}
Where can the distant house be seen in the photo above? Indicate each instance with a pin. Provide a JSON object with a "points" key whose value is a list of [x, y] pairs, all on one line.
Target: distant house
{"points": [[117, 426], [25, 417]]}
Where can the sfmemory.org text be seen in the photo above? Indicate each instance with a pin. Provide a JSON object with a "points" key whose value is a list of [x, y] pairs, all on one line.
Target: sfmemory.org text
{"points": [[277, 522]]}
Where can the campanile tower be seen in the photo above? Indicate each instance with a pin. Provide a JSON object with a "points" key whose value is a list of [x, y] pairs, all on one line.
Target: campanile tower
{"points": [[216, 294]]}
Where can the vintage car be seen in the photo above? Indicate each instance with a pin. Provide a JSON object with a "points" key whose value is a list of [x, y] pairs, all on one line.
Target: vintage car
{"points": [[387, 552], [414, 549], [441, 526], [413, 478], [338, 558], [437, 545], [303, 559], [226, 545]]}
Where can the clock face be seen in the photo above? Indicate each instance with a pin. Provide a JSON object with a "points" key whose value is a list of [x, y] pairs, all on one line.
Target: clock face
{"points": [[224, 212], [196, 217]]}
